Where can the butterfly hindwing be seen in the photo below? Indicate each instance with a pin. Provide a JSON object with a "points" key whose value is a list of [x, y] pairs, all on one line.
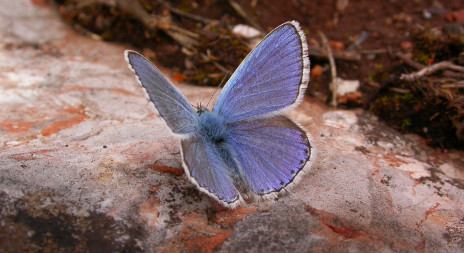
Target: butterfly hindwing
{"points": [[272, 77], [207, 170], [272, 152], [172, 106]]}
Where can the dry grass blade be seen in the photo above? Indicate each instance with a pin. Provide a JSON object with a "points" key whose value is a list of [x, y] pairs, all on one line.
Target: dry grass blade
{"points": [[191, 16]]}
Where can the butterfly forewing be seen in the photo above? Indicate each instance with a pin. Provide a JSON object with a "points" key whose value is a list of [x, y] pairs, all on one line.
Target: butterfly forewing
{"points": [[271, 78], [172, 106]]}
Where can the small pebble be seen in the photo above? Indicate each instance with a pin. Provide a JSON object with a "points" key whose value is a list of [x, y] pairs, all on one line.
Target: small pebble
{"points": [[402, 17], [266, 209], [245, 31], [336, 45], [149, 53], [370, 56], [316, 72], [426, 14], [405, 45]]}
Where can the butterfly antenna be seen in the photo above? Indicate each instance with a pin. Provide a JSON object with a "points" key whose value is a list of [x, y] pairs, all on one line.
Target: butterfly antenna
{"points": [[220, 85]]}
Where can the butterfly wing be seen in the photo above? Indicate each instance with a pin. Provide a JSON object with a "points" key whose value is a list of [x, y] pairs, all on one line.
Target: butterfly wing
{"points": [[272, 77], [172, 106], [272, 153], [208, 171], [202, 162]]}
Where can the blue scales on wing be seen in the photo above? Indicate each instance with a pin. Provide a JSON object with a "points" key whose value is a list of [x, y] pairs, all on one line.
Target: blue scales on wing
{"points": [[172, 106], [272, 77], [271, 152], [204, 163]]}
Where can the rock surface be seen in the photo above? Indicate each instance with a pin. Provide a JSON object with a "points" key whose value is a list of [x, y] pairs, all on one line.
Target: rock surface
{"points": [[87, 165]]}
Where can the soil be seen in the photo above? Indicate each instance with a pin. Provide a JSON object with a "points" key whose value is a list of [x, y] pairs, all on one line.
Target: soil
{"points": [[422, 31]]}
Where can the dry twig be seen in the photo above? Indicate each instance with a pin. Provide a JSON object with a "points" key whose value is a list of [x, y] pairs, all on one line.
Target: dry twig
{"points": [[339, 55], [133, 7], [340, 7], [373, 51], [244, 15], [333, 68], [452, 74], [432, 69], [453, 85], [410, 62], [399, 90], [357, 43]]}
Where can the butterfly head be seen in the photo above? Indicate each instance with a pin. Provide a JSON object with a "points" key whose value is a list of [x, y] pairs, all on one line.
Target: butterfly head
{"points": [[201, 109]]}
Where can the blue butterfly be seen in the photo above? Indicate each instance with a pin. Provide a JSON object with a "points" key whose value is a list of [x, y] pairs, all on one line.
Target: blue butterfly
{"points": [[245, 149]]}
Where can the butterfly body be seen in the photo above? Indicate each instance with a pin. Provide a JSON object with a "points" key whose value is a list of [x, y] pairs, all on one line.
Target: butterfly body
{"points": [[245, 148], [212, 126]]}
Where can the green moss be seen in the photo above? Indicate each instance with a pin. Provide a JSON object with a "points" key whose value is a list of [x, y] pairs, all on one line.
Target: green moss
{"points": [[235, 42], [406, 123], [384, 100], [407, 97], [148, 7], [426, 59], [199, 78]]}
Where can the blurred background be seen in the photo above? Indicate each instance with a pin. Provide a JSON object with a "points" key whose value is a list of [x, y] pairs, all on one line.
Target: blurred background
{"points": [[402, 60]]}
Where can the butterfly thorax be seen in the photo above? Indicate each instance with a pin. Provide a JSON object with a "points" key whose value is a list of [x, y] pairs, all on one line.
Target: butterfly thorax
{"points": [[212, 125]]}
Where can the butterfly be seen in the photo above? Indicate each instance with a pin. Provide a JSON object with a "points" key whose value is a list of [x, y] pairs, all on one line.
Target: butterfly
{"points": [[244, 149]]}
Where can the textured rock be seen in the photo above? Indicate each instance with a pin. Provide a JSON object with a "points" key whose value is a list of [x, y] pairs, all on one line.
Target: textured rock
{"points": [[86, 165]]}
